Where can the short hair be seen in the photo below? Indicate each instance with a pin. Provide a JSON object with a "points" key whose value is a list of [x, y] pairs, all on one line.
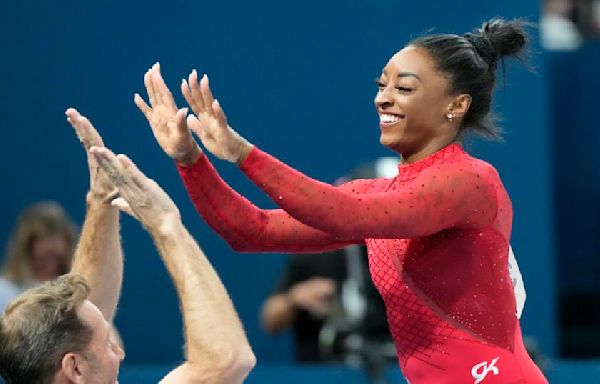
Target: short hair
{"points": [[35, 222], [39, 327], [470, 62]]}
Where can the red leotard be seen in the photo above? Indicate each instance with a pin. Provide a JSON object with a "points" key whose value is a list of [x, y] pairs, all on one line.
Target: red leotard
{"points": [[437, 236]]}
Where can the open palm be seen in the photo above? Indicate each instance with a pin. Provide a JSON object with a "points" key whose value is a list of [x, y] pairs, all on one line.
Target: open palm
{"points": [[168, 123], [100, 185], [211, 123]]}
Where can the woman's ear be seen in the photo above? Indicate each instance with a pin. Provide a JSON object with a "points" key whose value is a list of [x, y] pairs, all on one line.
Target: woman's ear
{"points": [[460, 105]]}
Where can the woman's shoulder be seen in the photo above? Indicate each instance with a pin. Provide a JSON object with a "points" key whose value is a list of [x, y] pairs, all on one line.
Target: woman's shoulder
{"points": [[469, 166]]}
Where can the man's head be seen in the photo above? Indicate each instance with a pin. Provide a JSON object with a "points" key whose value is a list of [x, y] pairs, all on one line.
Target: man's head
{"points": [[53, 334]]}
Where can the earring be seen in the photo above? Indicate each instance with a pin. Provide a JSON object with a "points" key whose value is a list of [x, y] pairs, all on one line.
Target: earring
{"points": [[450, 116]]}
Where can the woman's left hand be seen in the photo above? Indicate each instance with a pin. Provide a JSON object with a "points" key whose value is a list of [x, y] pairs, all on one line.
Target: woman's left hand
{"points": [[210, 122]]}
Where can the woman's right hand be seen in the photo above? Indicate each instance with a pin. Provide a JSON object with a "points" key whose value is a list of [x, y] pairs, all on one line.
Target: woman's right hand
{"points": [[167, 121]]}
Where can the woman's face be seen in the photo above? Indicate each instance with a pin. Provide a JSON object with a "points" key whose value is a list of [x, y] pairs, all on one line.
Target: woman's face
{"points": [[49, 257], [411, 101]]}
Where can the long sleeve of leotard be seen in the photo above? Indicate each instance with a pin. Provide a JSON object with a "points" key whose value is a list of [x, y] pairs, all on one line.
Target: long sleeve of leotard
{"points": [[451, 195], [248, 228]]}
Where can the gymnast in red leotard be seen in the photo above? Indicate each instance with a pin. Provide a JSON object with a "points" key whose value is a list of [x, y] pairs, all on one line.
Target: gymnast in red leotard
{"points": [[437, 234]]}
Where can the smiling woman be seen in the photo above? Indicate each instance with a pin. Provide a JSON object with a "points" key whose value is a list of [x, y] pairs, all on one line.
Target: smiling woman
{"points": [[437, 234]]}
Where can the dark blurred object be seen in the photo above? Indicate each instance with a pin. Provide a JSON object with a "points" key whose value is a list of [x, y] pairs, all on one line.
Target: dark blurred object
{"points": [[331, 304], [580, 324], [356, 331], [573, 108]]}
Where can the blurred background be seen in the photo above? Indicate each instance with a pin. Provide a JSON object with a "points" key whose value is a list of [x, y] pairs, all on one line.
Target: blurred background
{"points": [[296, 79]]}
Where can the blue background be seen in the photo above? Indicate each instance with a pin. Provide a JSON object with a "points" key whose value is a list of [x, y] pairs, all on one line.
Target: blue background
{"points": [[296, 79]]}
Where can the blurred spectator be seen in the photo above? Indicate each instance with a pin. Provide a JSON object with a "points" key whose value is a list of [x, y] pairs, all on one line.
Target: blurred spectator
{"points": [[303, 298], [40, 249], [329, 301], [565, 24]]}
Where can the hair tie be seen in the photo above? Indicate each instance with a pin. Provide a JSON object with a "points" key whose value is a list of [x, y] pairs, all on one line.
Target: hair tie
{"points": [[484, 48]]}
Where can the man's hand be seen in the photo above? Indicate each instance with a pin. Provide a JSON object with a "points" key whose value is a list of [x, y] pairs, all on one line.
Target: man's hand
{"points": [[168, 123], [211, 123], [98, 256], [313, 295], [101, 189], [140, 196], [217, 349]]}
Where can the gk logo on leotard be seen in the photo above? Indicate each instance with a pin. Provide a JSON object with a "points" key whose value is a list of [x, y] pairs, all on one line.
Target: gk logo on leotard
{"points": [[481, 370]]}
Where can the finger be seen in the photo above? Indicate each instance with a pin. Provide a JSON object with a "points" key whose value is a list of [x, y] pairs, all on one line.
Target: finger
{"points": [[85, 131], [195, 88], [180, 119], [196, 127], [189, 98], [161, 87], [150, 89], [141, 104], [132, 169], [206, 93], [122, 204], [112, 167], [219, 114]]}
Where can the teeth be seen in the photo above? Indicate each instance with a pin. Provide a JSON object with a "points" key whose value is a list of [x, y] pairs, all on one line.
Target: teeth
{"points": [[388, 119]]}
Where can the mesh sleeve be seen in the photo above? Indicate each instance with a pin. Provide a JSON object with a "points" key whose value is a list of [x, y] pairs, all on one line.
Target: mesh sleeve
{"points": [[447, 196], [246, 227]]}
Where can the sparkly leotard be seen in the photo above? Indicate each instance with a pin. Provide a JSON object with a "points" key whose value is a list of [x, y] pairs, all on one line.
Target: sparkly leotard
{"points": [[437, 236]]}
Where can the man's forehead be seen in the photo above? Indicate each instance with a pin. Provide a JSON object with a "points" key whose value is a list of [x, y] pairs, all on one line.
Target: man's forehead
{"points": [[90, 314]]}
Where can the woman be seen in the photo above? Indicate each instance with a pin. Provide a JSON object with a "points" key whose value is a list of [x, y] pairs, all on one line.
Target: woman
{"points": [[41, 245], [40, 249], [437, 234]]}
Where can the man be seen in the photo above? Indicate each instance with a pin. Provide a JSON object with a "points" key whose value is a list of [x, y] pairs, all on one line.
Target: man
{"points": [[61, 332]]}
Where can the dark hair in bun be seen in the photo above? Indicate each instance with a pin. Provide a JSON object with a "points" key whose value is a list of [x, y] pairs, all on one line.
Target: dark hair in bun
{"points": [[470, 63]]}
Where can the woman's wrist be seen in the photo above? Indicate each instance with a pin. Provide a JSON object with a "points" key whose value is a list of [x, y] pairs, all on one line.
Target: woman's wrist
{"points": [[190, 158], [245, 149]]}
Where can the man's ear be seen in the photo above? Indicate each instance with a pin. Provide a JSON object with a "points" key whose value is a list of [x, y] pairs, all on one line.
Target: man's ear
{"points": [[74, 367]]}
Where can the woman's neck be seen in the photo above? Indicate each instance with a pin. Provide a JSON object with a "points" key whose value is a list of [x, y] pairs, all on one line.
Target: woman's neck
{"points": [[428, 149]]}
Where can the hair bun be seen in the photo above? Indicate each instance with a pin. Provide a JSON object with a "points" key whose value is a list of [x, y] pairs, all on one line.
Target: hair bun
{"points": [[498, 38]]}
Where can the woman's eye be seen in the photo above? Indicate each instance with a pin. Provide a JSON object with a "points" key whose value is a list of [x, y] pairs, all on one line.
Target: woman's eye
{"points": [[379, 83], [404, 89]]}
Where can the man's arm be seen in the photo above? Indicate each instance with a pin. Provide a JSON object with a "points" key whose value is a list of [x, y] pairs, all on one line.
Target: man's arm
{"points": [[217, 350], [98, 257], [216, 347]]}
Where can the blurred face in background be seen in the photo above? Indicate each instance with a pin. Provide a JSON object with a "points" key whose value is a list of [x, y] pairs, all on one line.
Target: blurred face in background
{"points": [[50, 257], [41, 245]]}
